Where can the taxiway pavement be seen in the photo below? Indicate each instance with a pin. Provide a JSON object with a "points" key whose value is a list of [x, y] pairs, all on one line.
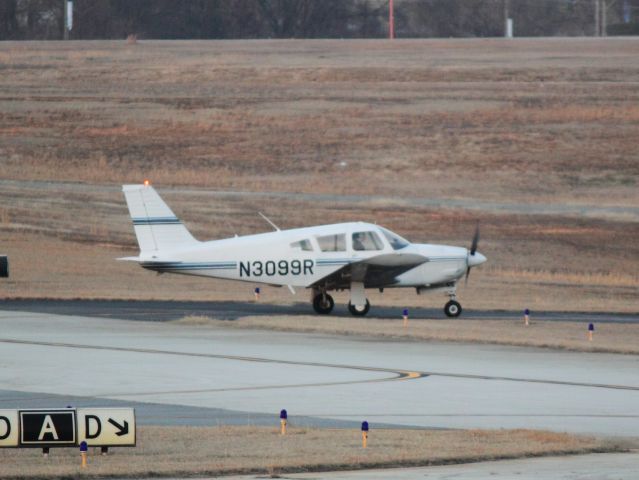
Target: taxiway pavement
{"points": [[315, 377], [609, 466]]}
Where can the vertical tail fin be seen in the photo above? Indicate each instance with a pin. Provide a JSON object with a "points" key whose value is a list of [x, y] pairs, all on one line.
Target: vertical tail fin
{"points": [[156, 226]]}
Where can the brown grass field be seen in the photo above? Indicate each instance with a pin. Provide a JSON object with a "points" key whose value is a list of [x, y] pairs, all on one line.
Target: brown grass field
{"points": [[212, 451], [536, 139]]}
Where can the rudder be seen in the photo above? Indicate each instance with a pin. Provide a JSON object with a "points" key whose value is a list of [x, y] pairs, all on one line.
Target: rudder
{"points": [[156, 226]]}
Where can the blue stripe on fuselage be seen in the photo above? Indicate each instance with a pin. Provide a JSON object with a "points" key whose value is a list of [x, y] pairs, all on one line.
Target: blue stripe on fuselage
{"points": [[156, 221]]}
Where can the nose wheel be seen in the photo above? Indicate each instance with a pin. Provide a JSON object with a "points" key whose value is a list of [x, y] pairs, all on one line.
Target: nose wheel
{"points": [[323, 303], [453, 308]]}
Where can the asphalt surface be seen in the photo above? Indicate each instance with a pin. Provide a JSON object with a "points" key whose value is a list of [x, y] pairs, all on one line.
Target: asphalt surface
{"points": [[157, 310], [611, 466], [227, 375]]}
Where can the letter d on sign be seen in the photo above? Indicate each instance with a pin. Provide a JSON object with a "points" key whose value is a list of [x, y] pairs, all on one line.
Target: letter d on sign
{"points": [[5, 430], [9, 430], [88, 420]]}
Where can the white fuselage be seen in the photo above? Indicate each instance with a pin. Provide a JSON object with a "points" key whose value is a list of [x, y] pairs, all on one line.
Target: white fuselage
{"points": [[345, 256], [296, 257]]}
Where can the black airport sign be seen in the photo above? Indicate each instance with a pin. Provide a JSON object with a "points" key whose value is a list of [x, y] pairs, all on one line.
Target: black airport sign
{"points": [[47, 427], [4, 266], [68, 427]]}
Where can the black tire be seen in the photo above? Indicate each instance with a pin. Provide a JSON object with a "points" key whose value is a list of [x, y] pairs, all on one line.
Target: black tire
{"points": [[323, 304], [453, 309], [356, 311]]}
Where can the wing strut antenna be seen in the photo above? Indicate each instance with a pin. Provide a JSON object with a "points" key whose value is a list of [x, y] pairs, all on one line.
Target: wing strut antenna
{"points": [[269, 221]]}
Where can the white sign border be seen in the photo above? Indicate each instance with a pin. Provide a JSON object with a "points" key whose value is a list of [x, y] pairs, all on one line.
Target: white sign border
{"points": [[44, 411]]}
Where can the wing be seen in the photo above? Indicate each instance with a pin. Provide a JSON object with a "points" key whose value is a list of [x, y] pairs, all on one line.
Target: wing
{"points": [[373, 272]]}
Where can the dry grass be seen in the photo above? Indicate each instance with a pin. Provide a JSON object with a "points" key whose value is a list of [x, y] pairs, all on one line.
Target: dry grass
{"points": [[63, 258], [551, 121], [187, 451], [610, 279], [89, 269], [425, 114], [608, 337]]}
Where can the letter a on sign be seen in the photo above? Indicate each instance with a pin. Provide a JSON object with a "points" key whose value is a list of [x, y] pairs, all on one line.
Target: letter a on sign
{"points": [[48, 427]]}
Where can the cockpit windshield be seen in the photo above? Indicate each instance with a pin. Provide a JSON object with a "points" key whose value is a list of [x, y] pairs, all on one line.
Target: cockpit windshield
{"points": [[395, 240]]}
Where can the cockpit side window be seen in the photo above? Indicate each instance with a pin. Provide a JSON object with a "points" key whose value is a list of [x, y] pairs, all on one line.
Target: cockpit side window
{"points": [[395, 240], [304, 245], [367, 241], [332, 243]]}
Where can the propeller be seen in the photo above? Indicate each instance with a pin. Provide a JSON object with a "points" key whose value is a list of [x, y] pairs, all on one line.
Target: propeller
{"points": [[471, 252]]}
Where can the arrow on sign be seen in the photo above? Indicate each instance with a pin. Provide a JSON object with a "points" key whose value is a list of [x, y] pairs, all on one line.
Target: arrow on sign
{"points": [[123, 429]]}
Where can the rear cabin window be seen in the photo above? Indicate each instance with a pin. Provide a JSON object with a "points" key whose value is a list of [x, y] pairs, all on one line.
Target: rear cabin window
{"points": [[367, 241], [332, 243], [304, 245]]}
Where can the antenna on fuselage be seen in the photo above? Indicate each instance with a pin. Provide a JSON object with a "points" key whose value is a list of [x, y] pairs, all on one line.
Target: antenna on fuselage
{"points": [[269, 221]]}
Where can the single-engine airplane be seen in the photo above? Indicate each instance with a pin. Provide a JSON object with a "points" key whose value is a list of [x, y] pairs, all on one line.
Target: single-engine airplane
{"points": [[345, 256]]}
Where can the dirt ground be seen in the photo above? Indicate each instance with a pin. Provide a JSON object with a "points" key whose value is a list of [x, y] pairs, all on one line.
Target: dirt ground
{"points": [[536, 139], [187, 451]]}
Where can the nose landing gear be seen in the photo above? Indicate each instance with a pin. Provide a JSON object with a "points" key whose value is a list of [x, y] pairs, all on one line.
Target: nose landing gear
{"points": [[453, 308]]}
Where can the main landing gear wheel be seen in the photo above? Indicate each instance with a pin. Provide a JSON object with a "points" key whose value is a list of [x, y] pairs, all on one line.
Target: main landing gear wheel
{"points": [[323, 303], [452, 309], [359, 310]]}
